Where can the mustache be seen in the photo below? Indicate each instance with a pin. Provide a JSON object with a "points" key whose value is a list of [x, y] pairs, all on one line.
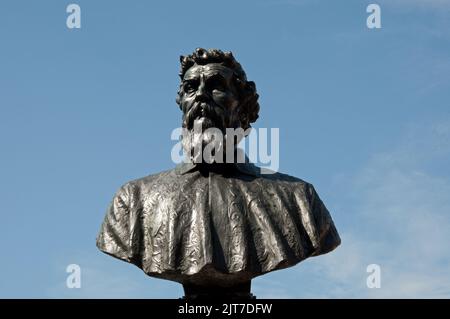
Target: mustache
{"points": [[200, 109]]}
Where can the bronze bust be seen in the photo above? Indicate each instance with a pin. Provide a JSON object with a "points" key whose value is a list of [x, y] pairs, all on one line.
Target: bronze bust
{"points": [[214, 226]]}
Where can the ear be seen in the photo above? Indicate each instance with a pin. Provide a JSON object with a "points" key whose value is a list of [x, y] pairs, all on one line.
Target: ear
{"points": [[243, 116]]}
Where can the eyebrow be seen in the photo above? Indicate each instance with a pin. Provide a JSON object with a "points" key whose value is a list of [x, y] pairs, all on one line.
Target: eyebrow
{"points": [[195, 77], [217, 76], [190, 79]]}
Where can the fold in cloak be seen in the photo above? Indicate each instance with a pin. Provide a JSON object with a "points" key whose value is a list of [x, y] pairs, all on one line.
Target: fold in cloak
{"points": [[217, 228]]}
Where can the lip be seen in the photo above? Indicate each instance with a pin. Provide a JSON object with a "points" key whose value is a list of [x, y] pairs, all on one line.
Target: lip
{"points": [[200, 109]]}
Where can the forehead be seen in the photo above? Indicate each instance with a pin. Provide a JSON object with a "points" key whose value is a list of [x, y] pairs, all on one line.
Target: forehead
{"points": [[208, 70]]}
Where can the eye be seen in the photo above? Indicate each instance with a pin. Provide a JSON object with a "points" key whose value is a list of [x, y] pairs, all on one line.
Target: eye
{"points": [[190, 86], [217, 84]]}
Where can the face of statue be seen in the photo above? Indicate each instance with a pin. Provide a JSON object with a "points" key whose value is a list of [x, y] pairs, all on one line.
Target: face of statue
{"points": [[209, 97]]}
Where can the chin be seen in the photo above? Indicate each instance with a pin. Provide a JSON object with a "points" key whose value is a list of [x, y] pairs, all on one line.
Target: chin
{"points": [[194, 144]]}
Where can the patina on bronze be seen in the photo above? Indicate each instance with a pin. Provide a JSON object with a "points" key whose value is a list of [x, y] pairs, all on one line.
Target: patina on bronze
{"points": [[214, 227]]}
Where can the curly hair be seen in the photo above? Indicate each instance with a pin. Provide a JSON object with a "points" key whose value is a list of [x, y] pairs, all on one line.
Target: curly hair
{"points": [[249, 106]]}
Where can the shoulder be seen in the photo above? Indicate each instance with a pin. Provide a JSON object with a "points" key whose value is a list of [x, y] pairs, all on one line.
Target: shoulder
{"points": [[278, 178], [135, 187]]}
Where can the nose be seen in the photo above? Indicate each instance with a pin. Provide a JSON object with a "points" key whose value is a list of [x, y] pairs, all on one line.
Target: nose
{"points": [[201, 94]]}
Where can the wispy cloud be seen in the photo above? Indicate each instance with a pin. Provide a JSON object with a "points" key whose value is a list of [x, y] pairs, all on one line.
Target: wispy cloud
{"points": [[103, 277], [404, 208], [409, 204], [397, 215]]}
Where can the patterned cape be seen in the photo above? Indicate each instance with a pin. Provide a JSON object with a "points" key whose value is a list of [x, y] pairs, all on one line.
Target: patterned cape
{"points": [[216, 227]]}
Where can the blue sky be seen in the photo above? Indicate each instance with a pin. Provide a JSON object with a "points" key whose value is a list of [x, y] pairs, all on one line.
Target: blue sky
{"points": [[363, 114]]}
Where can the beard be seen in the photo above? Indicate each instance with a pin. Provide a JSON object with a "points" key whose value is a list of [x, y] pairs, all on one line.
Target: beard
{"points": [[202, 125], [209, 114], [204, 142], [204, 136]]}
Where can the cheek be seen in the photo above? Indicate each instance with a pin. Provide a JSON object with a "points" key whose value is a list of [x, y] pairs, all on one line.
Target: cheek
{"points": [[227, 100], [186, 102]]}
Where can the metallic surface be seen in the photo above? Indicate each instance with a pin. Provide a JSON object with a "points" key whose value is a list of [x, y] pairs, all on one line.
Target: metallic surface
{"points": [[216, 225]]}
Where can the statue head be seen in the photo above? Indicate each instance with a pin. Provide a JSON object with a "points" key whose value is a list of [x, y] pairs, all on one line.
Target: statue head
{"points": [[214, 93]]}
